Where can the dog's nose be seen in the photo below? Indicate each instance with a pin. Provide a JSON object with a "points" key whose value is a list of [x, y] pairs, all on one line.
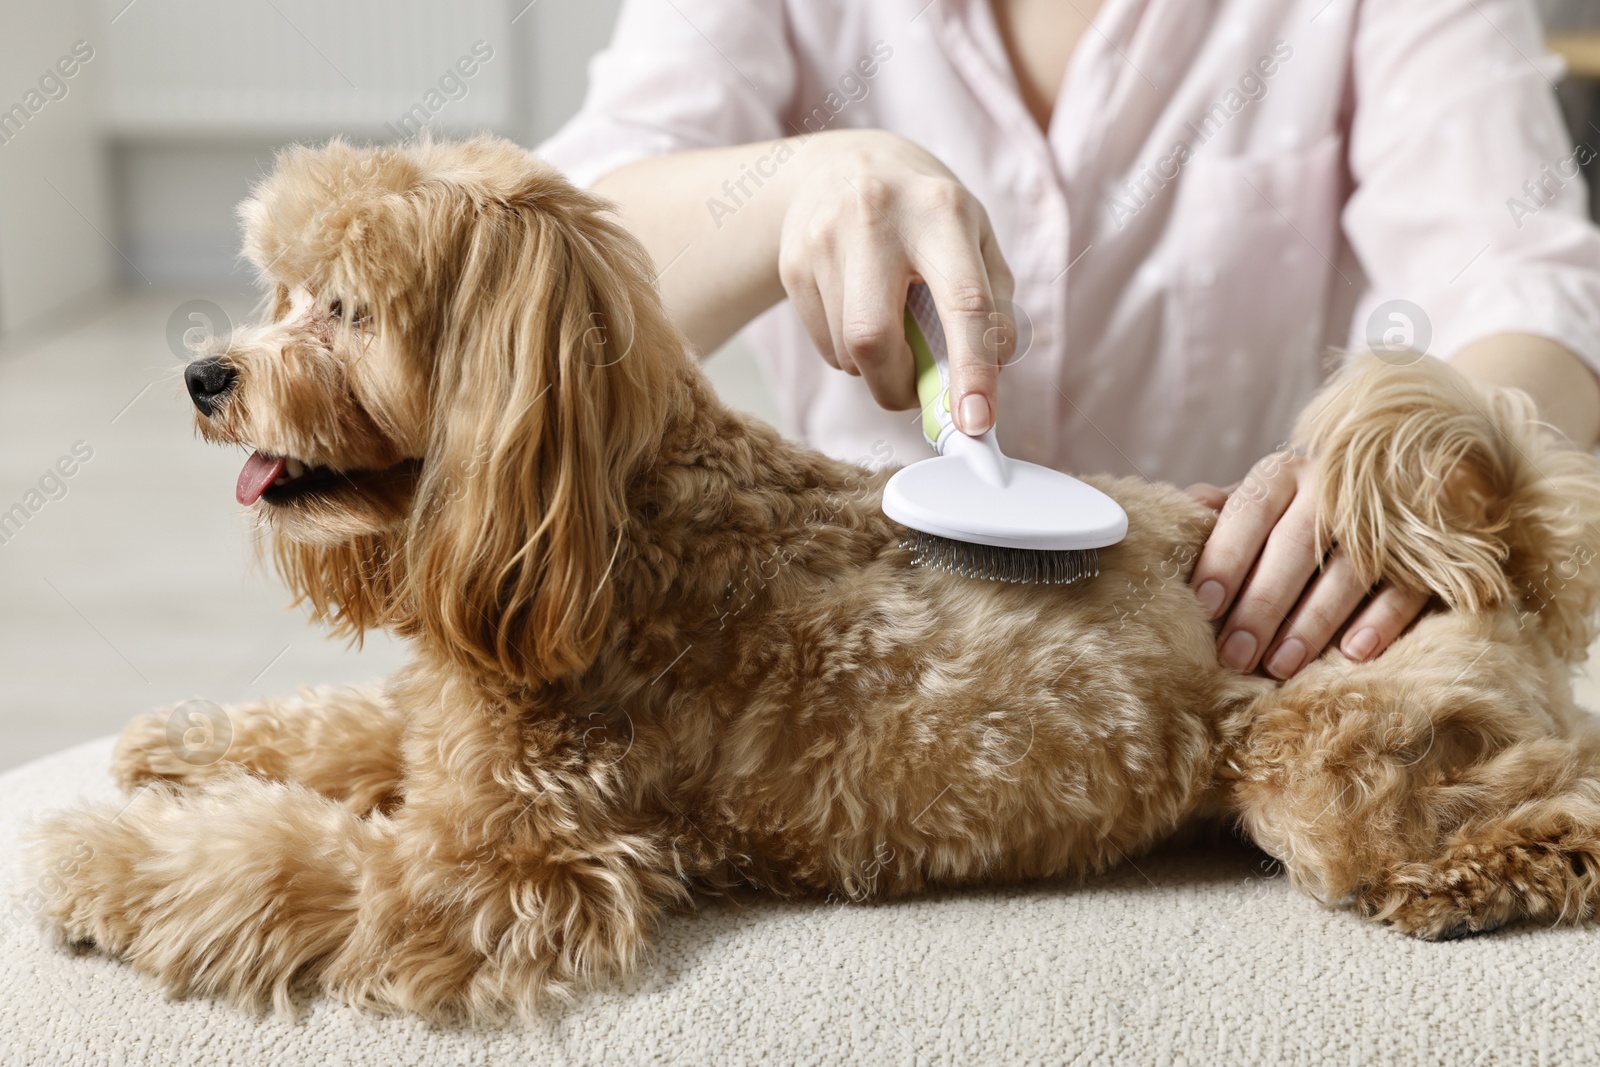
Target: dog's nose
{"points": [[209, 381]]}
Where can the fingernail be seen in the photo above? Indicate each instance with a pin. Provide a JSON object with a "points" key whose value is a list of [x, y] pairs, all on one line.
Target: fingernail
{"points": [[974, 414], [1211, 594], [1239, 649], [1290, 657], [1361, 644]]}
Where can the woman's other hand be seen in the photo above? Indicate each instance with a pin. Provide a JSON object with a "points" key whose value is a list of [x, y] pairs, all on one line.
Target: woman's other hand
{"points": [[1283, 602]]}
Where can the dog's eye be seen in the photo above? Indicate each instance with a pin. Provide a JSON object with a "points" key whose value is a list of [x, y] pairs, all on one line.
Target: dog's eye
{"points": [[360, 318]]}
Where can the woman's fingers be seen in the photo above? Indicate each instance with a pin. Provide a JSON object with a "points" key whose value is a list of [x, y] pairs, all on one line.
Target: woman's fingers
{"points": [[809, 308], [1391, 610], [1327, 604], [979, 338], [1247, 520], [1286, 564], [1260, 568], [1213, 497], [873, 321]]}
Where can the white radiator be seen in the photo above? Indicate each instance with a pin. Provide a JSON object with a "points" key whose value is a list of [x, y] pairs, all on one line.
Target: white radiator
{"points": [[206, 67]]}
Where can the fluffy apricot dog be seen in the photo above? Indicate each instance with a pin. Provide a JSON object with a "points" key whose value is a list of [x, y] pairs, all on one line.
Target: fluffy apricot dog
{"points": [[661, 652]]}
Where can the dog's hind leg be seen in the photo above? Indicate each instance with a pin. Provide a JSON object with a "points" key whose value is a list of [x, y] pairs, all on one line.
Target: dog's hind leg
{"points": [[341, 742], [1537, 856], [240, 888], [1446, 789]]}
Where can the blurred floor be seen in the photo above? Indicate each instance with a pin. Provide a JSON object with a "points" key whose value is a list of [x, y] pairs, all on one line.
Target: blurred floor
{"points": [[138, 587]]}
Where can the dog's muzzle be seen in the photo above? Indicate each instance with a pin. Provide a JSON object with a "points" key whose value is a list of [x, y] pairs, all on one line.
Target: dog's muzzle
{"points": [[209, 381]]}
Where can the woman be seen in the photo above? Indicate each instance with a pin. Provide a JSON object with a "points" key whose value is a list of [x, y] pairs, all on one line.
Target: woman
{"points": [[1179, 204]]}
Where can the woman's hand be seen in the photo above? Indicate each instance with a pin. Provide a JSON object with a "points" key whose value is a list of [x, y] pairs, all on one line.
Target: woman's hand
{"points": [[872, 214], [1287, 603], [842, 223]]}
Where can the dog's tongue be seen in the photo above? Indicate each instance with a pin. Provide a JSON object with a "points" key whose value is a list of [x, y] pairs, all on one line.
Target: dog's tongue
{"points": [[260, 471]]}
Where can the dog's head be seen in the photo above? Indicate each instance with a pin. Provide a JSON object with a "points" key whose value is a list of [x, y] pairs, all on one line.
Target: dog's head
{"points": [[461, 363]]}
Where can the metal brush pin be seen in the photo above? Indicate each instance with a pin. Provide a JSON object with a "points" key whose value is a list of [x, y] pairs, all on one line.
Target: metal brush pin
{"points": [[1017, 566]]}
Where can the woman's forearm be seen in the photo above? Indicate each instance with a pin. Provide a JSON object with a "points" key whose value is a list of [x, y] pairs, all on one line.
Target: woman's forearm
{"points": [[711, 220], [1562, 385]]}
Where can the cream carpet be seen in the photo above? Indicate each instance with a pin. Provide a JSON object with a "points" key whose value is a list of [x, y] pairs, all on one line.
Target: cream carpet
{"points": [[1187, 957]]}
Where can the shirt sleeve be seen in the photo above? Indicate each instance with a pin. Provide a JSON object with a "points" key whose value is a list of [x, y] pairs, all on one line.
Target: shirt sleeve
{"points": [[679, 75], [1467, 198]]}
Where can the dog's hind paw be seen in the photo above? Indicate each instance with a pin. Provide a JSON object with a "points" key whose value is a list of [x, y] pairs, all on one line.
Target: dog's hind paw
{"points": [[182, 746], [1477, 889]]}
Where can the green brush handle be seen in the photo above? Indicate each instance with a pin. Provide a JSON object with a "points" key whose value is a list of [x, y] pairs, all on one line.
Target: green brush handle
{"points": [[926, 337]]}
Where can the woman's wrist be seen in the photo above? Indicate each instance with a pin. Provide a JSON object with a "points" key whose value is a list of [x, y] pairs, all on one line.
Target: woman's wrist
{"points": [[1563, 386]]}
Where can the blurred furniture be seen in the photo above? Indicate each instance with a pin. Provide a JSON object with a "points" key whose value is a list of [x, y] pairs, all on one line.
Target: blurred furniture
{"points": [[1579, 94], [1581, 50]]}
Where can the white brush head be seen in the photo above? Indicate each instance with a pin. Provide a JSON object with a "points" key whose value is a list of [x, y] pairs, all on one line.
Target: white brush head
{"points": [[975, 494]]}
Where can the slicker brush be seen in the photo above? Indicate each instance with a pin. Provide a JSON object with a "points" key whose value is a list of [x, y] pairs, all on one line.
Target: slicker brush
{"points": [[973, 511]]}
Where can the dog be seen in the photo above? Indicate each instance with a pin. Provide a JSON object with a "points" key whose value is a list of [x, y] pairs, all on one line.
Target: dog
{"points": [[660, 652]]}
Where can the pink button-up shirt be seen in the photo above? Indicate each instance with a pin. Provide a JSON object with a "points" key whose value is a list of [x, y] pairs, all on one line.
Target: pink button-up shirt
{"points": [[1227, 189]]}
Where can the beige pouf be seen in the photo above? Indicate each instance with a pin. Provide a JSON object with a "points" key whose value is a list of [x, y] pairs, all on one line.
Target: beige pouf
{"points": [[1193, 956]]}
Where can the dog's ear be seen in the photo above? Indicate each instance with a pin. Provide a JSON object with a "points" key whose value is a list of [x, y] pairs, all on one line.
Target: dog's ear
{"points": [[1458, 489], [555, 370], [1414, 479]]}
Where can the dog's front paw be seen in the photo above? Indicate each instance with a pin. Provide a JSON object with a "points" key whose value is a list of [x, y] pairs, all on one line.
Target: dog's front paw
{"points": [[236, 889], [181, 745], [84, 884]]}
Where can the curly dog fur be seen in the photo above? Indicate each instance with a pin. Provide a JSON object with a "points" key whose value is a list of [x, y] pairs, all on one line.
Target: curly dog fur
{"points": [[660, 651]]}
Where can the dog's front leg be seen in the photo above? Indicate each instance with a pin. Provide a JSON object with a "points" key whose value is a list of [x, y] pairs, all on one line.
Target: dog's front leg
{"points": [[519, 866], [341, 742], [240, 888]]}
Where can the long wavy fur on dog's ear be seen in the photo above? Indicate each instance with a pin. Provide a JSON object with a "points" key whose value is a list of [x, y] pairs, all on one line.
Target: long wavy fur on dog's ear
{"points": [[555, 371], [1447, 487]]}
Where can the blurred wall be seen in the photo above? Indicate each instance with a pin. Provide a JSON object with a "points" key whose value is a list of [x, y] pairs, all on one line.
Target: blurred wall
{"points": [[55, 205]]}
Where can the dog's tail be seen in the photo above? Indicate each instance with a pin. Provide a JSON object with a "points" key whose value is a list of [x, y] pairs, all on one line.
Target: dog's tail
{"points": [[1455, 489]]}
